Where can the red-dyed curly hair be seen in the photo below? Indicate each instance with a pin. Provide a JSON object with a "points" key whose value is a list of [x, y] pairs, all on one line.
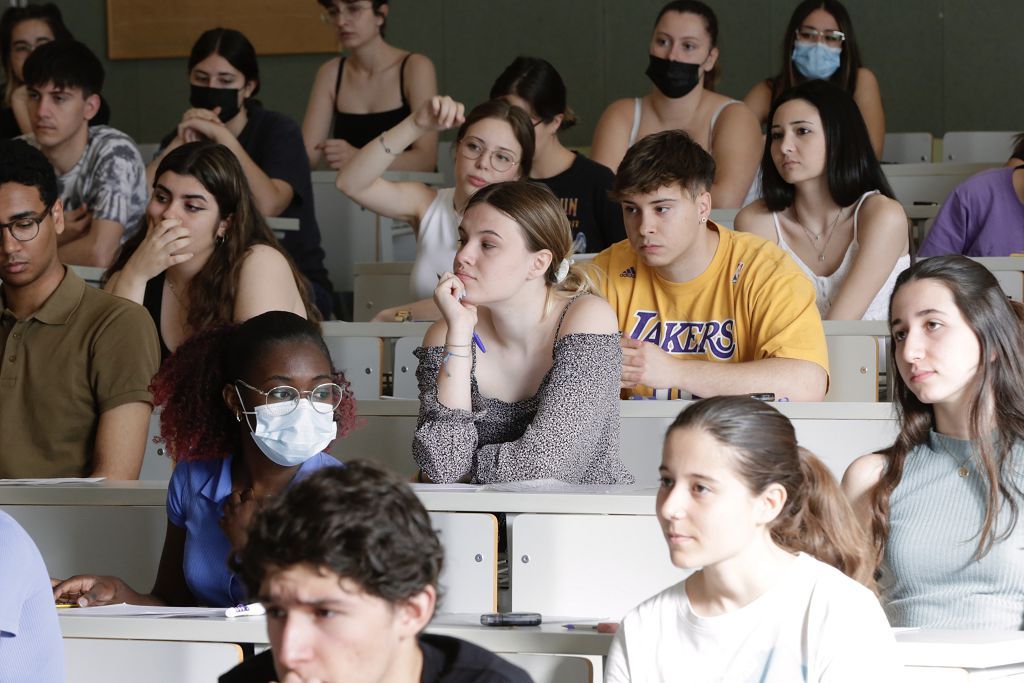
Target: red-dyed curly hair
{"points": [[195, 423]]}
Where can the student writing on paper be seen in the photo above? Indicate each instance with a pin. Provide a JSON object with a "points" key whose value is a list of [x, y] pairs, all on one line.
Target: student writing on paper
{"points": [[943, 503], [778, 594], [346, 564], [248, 411], [519, 380]]}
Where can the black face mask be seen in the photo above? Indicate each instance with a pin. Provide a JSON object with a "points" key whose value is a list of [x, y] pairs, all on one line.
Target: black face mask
{"points": [[211, 98], [673, 79]]}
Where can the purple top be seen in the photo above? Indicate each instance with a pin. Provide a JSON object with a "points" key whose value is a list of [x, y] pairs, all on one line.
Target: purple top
{"points": [[982, 217]]}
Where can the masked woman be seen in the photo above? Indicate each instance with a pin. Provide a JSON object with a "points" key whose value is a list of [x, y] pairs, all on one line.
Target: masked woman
{"points": [[683, 55], [820, 44], [248, 411], [225, 78]]}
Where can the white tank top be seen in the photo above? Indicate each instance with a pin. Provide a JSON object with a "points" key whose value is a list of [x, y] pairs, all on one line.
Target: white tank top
{"points": [[436, 242], [826, 286], [753, 193]]}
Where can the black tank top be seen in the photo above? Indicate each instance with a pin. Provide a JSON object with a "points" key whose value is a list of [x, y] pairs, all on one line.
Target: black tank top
{"points": [[359, 129], [153, 301]]}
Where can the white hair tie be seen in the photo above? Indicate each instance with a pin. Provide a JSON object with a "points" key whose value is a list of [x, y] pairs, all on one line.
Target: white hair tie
{"points": [[563, 270]]}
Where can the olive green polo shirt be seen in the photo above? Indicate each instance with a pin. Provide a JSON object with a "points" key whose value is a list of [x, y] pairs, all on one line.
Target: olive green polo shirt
{"points": [[83, 352]]}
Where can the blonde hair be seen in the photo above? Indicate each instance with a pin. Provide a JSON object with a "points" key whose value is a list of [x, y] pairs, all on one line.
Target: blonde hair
{"points": [[538, 213]]}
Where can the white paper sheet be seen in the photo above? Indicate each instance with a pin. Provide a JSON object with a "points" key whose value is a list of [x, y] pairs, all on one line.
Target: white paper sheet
{"points": [[125, 610]]}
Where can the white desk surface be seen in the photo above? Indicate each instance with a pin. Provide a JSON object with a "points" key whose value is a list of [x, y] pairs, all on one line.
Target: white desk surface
{"points": [[669, 409], [120, 493], [931, 648], [544, 639], [154, 493], [961, 649]]}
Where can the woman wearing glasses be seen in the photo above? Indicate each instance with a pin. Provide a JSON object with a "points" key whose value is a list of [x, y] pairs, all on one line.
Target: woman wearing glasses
{"points": [[204, 255], [683, 55], [494, 143], [374, 87], [820, 44], [247, 411]]}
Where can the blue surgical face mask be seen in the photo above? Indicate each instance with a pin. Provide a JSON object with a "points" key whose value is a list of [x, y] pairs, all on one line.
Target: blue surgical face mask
{"points": [[816, 60]]}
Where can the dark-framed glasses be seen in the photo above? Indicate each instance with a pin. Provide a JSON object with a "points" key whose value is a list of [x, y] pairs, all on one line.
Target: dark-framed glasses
{"points": [[501, 159], [282, 400], [27, 227], [806, 34]]}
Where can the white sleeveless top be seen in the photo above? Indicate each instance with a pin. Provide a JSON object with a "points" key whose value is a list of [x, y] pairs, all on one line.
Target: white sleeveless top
{"points": [[753, 193], [436, 243], [826, 286]]}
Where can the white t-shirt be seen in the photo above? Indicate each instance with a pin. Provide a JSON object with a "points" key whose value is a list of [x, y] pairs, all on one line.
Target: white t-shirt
{"points": [[817, 625], [436, 242]]}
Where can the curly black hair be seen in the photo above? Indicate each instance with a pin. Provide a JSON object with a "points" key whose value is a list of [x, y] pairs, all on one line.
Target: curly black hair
{"points": [[358, 521]]}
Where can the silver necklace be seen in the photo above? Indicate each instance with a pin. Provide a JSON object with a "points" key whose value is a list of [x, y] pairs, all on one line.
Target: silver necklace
{"points": [[814, 237]]}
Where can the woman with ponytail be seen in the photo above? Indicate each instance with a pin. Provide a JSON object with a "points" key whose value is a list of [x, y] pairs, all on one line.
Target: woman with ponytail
{"points": [[779, 594], [942, 504], [520, 377]]}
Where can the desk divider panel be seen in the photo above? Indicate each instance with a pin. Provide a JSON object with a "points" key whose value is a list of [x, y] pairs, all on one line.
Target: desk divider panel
{"points": [[558, 668], [469, 580], [103, 660], [558, 568], [120, 540]]}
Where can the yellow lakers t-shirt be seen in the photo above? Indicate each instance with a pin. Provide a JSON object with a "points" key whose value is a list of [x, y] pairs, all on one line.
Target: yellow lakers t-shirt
{"points": [[751, 302]]}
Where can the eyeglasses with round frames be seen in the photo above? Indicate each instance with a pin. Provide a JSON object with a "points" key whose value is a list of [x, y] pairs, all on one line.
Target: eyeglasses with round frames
{"points": [[332, 14], [26, 228], [501, 160], [282, 400], [806, 34]]}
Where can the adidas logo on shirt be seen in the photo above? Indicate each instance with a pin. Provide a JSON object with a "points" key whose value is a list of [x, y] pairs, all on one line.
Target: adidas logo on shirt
{"points": [[629, 272]]}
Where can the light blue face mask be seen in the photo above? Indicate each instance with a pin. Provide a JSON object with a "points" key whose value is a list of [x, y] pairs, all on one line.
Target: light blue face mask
{"points": [[816, 60]]}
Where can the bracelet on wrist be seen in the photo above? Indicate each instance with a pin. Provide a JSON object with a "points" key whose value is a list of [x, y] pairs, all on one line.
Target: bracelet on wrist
{"points": [[386, 148]]}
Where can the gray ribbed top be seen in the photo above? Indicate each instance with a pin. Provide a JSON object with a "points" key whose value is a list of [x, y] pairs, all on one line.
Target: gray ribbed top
{"points": [[930, 578]]}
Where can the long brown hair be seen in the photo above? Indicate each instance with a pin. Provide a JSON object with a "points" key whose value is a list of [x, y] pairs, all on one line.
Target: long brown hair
{"points": [[212, 292], [817, 519], [996, 415]]}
